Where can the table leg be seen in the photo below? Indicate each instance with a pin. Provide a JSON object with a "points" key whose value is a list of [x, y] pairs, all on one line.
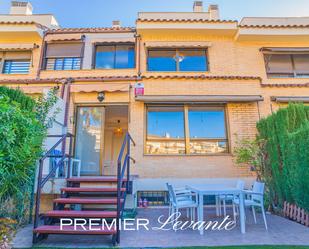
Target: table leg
{"points": [[242, 213], [201, 211], [217, 205]]}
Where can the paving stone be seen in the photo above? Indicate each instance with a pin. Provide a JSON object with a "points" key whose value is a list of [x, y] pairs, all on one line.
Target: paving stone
{"points": [[281, 232]]}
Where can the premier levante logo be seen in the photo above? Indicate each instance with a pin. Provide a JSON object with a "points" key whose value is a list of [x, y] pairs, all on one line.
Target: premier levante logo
{"points": [[171, 222]]}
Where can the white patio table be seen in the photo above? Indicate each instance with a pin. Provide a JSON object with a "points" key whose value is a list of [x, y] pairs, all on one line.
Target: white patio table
{"points": [[214, 189]]}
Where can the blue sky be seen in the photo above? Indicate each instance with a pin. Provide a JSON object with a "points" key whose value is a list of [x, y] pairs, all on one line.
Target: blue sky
{"points": [[90, 13]]}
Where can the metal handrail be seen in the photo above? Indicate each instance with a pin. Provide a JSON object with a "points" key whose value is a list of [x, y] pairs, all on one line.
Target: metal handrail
{"points": [[41, 182], [123, 168]]}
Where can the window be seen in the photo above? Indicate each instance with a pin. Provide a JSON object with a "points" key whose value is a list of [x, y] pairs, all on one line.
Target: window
{"points": [[184, 60], [115, 56], [186, 129], [287, 65], [165, 130], [63, 63], [16, 66], [63, 56], [153, 198]]}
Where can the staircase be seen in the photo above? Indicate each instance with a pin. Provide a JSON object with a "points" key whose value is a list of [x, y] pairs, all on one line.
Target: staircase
{"points": [[87, 198]]}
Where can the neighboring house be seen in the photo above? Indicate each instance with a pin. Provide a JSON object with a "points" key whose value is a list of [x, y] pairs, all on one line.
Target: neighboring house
{"points": [[206, 82]]}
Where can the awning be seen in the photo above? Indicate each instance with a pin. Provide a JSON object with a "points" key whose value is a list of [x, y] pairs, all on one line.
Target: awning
{"points": [[115, 40], [287, 99], [198, 98], [285, 50], [177, 44], [17, 47], [100, 87], [61, 37], [32, 89]]}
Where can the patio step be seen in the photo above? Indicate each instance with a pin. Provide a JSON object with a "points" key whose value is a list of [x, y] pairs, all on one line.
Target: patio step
{"points": [[90, 190], [93, 179], [86, 201], [80, 214], [70, 230]]}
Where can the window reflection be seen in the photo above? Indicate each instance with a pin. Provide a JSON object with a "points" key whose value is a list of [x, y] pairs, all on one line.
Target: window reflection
{"points": [[165, 122], [115, 56], [192, 60], [203, 147], [170, 60], [206, 123], [161, 60], [166, 130]]}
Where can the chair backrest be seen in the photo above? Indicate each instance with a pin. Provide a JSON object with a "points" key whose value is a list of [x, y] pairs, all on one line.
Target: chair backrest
{"points": [[240, 184], [258, 187], [171, 193]]}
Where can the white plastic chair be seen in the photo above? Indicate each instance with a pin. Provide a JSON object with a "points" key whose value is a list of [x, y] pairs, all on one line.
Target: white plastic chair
{"points": [[181, 198], [223, 198], [255, 198], [74, 162]]}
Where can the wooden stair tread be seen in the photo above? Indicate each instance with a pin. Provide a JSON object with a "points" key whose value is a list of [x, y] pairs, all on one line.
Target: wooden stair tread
{"points": [[94, 179], [70, 230], [90, 189], [86, 201], [81, 214]]}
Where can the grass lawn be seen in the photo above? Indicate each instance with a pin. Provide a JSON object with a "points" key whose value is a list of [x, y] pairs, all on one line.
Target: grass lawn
{"points": [[215, 247]]}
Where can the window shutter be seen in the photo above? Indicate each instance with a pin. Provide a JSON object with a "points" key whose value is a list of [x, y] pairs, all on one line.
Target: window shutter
{"points": [[64, 50]]}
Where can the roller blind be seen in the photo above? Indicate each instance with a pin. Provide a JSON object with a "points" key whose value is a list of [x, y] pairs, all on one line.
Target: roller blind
{"points": [[301, 62], [64, 50], [279, 63], [17, 55]]}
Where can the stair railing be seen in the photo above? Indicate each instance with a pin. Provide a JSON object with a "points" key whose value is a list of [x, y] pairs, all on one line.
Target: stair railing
{"points": [[49, 154], [123, 168]]}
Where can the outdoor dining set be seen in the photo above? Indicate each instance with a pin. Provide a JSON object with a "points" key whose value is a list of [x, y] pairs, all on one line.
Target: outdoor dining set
{"points": [[191, 199]]}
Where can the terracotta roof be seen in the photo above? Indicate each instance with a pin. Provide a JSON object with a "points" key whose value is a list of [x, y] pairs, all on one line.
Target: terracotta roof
{"points": [[202, 76], [65, 39], [18, 47], [107, 78], [183, 20], [275, 26], [24, 23], [75, 79], [286, 85], [92, 30], [274, 22], [30, 81], [17, 22]]}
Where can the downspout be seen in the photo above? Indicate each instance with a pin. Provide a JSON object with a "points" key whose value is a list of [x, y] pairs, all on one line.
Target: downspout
{"points": [[258, 109], [138, 53], [42, 55], [67, 91]]}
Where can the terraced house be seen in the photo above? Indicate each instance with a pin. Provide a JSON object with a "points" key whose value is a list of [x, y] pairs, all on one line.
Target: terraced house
{"points": [[186, 86]]}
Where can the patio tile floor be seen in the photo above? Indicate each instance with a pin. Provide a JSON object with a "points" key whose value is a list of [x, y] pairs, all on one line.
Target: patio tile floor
{"points": [[281, 232]]}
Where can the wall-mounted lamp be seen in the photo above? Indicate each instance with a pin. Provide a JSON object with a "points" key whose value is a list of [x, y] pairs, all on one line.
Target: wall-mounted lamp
{"points": [[101, 96], [118, 130]]}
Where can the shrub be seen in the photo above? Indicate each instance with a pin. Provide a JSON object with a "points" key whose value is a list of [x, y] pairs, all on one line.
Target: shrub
{"points": [[22, 131]]}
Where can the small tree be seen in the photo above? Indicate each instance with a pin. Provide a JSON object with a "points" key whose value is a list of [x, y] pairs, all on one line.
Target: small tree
{"points": [[249, 151]]}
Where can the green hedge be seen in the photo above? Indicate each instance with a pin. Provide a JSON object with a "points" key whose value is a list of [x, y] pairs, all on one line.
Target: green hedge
{"points": [[22, 131], [286, 146], [26, 102]]}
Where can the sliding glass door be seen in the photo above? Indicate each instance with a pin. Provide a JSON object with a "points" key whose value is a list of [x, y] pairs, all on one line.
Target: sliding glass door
{"points": [[90, 138]]}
